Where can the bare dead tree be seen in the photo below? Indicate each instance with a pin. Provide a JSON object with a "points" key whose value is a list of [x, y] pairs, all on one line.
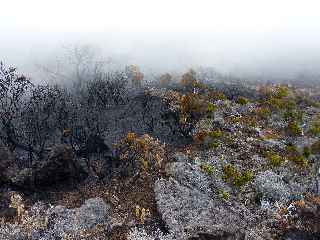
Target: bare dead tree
{"points": [[13, 91]]}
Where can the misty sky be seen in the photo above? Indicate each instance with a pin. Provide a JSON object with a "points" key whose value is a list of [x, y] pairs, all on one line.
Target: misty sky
{"points": [[249, 36]]}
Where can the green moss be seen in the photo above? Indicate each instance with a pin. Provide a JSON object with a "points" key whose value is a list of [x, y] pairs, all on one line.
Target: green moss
{"points": [[281, 92], [210, 108], [235, 119], [207, 168], [274, 158], [275, 103], [315, 147], [293, 115], [214, 95], [314, 128], [242, 179], [291, 148], [215, 133], [237, 179], [298, 160], [263, 112], [224, 195], [229, 172], [294, 129], [214, 145], [242, 100], [306, 151]]}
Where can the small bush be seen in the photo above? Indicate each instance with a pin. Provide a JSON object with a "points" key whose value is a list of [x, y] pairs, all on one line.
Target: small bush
{"points": [[263, 112], [207, 168], [192, 105], [298, 160], [235, 119], [210, 109], [315, 147], [295, 156], [274, 158], [293, 115], [215, 96], [189, 79], [242, 100], [314, 128], [281, 92], [306, 151], [205, 136], [136, 76], [224, 195], [141, 154], [215, 133], [294, 129], [213, 145], [291, 149], [238, 179], [242, 179], [275, 104], [229, 172]]}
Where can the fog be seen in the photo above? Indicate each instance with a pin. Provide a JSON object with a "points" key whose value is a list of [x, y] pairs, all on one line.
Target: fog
{"points": [[279, 39]]}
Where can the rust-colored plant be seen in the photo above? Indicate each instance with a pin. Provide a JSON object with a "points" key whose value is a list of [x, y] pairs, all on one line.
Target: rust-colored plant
{"points": [[143, 154]]}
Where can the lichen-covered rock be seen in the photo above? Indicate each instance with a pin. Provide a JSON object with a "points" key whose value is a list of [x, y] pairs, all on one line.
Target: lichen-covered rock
{"points": [[189, 175], [12, 232], [75, 221], [94, 211], [272, 186], [43, 222], [141, 234], [188, 212]]}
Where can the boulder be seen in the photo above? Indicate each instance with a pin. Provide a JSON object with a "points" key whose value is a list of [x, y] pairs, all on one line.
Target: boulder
{"points": [[190, 213], [189, 175], [58, 222], [57, 166], [272, 187], [12, 232]]}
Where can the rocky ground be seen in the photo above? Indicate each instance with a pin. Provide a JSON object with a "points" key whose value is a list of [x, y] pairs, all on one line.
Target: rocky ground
{"points": [[213, 162]]}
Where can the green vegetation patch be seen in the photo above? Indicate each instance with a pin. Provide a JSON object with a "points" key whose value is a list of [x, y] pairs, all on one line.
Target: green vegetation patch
{"points": [[207, 168], [242, 101], [294, 129], [274, 158], [238, 179]]}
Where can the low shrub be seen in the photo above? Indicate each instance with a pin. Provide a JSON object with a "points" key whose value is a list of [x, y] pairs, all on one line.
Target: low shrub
{"points": [[298, 160], [242, 100], [237, 179], [207, 168], [274, 158], [314, 128], [306, 151], [140, 154], [315, 147], [294, 129], [215, 96], [242, 179], [295, 156], [224, 195]]}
